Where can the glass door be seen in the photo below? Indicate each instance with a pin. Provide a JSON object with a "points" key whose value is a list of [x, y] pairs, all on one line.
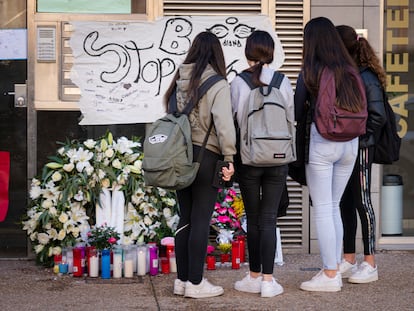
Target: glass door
{"points": [[13, 128]]}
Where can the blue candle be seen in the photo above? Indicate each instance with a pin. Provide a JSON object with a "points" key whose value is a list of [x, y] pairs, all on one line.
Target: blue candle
{"points": [[106, 264], [63, 268]]}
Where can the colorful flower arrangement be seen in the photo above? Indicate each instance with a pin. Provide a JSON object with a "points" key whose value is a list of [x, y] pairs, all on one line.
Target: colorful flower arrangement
{"points": [[227, 216], [103, 237], [64, 200]]}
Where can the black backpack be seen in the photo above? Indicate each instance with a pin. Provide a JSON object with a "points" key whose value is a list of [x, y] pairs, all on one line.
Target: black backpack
{"points": [[387, 149]]}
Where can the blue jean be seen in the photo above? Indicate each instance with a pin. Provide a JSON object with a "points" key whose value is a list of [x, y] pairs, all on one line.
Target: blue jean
{"points": [[327, 173]]}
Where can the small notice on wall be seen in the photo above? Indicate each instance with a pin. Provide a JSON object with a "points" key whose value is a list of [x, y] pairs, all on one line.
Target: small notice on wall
{"points": [[13, 44]]}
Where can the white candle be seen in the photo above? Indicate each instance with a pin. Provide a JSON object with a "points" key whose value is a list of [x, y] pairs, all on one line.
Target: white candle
{"points": [[142, 262], [173, 264], [117, 272], [135, 260], [94, 266], [129, 268]]}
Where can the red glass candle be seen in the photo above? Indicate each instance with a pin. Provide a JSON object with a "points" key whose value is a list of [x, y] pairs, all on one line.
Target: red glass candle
{"points": [[57, 259], [165, 265], [224, 258], [211, 262], [77, 262], [235, 255], [242, 247]]}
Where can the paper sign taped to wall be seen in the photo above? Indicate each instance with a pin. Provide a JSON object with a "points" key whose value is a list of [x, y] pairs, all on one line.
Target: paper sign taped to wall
{"points": [[124, 68]]}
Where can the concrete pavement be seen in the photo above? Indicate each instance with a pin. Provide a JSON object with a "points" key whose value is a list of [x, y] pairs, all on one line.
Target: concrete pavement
{"points": [[25, 286]]}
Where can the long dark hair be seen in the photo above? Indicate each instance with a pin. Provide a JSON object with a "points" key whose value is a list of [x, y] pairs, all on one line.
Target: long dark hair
{"points": [[323, 47], [259, 48], [205, 49], [362, 52]]}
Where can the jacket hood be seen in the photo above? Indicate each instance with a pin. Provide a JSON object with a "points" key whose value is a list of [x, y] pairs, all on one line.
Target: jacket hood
{"points": [[185, 71]]}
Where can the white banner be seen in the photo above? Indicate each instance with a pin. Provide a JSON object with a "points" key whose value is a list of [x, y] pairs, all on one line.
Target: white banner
{"points": [[124, 68]]}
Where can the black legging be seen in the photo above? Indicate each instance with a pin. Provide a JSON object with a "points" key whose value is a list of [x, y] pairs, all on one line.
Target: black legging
{"points": [[261, 189], [196, 206], [357, 197]]}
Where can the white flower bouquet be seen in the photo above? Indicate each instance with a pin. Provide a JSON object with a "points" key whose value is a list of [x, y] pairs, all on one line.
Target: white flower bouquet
{"points": [[64, 201]]}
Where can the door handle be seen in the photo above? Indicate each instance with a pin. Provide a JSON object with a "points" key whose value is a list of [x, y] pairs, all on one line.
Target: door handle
{"points": [[19, 95]]}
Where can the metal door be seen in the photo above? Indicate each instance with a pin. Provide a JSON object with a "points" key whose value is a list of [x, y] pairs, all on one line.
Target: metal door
{"points": [[13, 128]]}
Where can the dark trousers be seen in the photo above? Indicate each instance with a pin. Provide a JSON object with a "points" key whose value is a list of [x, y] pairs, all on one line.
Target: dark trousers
{"points": [[261, 189], [357, 198], [196, 206]]}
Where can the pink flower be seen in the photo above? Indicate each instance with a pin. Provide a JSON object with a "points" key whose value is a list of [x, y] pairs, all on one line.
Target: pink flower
{"points": [[223, 219], [112, 240], [210, 249]]}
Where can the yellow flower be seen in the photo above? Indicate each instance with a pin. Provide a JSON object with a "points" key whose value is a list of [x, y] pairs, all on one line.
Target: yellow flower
{"points": [[238, 206], [224, 247]]}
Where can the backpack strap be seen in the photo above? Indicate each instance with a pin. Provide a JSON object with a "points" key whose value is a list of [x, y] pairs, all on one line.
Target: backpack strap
{"points": [[276, 79], [202, 90], [247, 77]]}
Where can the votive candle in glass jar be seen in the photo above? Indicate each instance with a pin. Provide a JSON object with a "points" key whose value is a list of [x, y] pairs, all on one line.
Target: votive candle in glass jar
{"points": [[117, 262], [93, 263], [129, 262], [153, 250], [106, 264], [77, 262], [141, 260]]}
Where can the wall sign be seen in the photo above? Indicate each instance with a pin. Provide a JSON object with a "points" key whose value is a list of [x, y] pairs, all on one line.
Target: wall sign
{"points": [[124, 68]]}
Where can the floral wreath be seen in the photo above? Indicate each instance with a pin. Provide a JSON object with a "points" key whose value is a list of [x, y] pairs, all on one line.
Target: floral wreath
{"points": [[66, 199]]}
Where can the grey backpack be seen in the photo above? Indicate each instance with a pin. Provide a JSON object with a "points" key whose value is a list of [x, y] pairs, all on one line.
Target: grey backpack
{"points": [[267, 130], [168, 149]]}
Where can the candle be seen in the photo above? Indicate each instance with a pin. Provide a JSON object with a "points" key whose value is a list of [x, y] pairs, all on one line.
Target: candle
{"points": [[129, 268], [93, 264], [153, 259], [63, 268], [235, 255], [173, 262], [69, 259], [106, 264], [242, 247], [165, 265], [117, 264], [142, 260], [211, 262], [77, 262], [57, 259]]}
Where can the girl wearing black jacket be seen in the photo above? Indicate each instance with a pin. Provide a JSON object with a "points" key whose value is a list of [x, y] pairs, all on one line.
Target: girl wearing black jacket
{"points": [[357, 195]]}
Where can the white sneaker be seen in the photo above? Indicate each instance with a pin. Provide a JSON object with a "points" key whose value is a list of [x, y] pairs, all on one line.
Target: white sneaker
{"points": [[365, 274], [322, 283], [179, 287], [347, 269], [203, 290], [249, 284], [270, 288]]}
